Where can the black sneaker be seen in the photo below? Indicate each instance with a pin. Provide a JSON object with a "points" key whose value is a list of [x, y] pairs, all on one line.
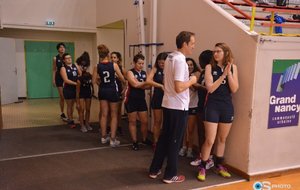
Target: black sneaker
{"points": [[135, 146], [147, 142], [71, 124], [63, 117]]}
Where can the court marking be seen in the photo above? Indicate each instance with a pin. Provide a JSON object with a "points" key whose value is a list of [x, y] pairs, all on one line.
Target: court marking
{"points": [[61, 152], [221, 184]]}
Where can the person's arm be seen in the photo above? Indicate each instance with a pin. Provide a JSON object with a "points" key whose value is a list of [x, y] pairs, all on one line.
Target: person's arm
{"points": [[211, 86], [79, 70], [95, 79], [64, 76], [53, 70], [233, 78], [119, 73], [78, 89], [150, 80], [182, 86], [133, 81]]}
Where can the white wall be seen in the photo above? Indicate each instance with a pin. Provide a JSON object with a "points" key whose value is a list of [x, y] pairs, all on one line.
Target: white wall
{"points": [[69, 15], [8, 76], [272, 149]]}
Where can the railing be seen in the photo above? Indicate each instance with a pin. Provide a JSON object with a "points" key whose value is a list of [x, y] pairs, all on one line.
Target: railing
{"points": [[272, 24], [270, 21]]}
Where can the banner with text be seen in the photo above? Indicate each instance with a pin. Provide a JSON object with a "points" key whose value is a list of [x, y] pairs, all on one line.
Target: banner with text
{"points": [[285, 94]]}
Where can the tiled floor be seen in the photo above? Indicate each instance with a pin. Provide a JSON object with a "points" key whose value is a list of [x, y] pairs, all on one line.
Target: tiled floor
{"points": [[38, 112]]}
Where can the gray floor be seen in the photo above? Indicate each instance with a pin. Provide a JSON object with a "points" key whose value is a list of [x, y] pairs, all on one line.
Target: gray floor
{"points": [[60, 158]]}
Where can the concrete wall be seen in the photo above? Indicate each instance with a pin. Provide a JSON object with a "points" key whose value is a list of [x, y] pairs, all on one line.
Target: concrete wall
{"points": [[272, 149]]}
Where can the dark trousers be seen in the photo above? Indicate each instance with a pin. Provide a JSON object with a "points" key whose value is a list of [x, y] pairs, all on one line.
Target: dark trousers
{"points": [[169, 142]]}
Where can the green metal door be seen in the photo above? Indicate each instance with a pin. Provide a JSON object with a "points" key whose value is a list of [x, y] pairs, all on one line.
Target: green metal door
{"points": [[39, 56]]}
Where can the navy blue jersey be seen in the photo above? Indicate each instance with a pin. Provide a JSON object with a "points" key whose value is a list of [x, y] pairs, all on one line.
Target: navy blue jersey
{"points": [[59, 63], [136, 93], [222, 93], [72, 74], [107, 75], [158, 77], [119, 82], [85, 83]]}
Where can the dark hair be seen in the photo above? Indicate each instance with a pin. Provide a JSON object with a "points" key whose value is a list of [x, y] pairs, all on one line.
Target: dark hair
{"points": [[205, 57], [160, 56], [103, 51], [228, 56], [60, 44], [84, 59], [137, 57], [118, 54], [194, 64], [64, 55], [182, 37]]}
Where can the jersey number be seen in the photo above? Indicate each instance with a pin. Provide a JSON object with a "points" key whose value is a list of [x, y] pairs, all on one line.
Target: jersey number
{"points": [[106, 76]]}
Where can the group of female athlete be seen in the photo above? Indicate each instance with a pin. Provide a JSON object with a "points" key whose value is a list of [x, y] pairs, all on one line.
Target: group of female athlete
{"points": [[210, 106]]}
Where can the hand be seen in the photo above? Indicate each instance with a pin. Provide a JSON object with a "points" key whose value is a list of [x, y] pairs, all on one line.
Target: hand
{"points": [[193, 79], [227, 70]]}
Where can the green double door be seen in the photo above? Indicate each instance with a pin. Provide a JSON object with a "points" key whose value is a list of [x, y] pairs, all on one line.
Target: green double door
{"points": [[39, 56]]}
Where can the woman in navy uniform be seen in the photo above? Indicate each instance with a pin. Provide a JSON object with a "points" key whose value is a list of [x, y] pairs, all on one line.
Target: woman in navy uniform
{"points": [[155, 79], [57, 79], [84, 92], [105, 75], [221, 80], [69, 73], [135, 102], [116, 57]]}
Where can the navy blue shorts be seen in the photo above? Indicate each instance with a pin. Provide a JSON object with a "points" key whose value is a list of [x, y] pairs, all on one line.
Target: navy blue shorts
{"points": [[193, 111], [58, 80], [138, 105], [156, 101], [109, 94], [69, 93], [218, 112]]}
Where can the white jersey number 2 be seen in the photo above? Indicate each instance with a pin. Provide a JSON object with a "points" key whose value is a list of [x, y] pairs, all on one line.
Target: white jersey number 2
{"points": [[106, 76]]}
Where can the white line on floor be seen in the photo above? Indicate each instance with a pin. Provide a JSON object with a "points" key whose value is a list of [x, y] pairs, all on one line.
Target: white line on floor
{"points": [[218, 185], [58, 153]]}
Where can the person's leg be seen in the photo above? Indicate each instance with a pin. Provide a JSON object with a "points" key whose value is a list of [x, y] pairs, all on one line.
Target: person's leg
{"points": [[192, 120], [114, 118], [61, 99], [103, 120], [132, 125], [144, 124], [157, 113], [87, 102], [162, 143], [80, 109], [178, 125], [210, 135], [119, 128]]}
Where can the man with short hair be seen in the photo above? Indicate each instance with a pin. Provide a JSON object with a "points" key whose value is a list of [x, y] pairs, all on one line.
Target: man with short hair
{"points": [[175, 109]]}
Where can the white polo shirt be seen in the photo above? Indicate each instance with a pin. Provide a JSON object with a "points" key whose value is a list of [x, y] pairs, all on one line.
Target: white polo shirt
{"points": [[175, 69]]}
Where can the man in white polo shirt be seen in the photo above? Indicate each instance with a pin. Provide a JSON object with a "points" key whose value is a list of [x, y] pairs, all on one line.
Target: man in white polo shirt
{"points": [[175, 109]]}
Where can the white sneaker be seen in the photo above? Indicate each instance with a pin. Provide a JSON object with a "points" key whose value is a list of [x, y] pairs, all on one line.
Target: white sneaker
{"points": [[182, 151], [105, 140], [88, 127], [196, 162], [210, 163], [189, 153], [83, 129], [114, 143]]}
